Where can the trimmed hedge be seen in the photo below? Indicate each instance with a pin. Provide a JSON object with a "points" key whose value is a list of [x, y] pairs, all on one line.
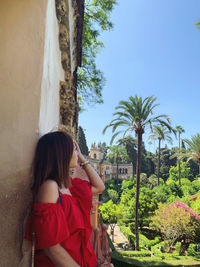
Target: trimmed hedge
{"points": [[192, 250], [130, 254], [162, 245]]}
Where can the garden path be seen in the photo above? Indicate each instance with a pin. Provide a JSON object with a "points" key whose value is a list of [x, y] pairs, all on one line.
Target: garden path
{"points": [[121, 243]]}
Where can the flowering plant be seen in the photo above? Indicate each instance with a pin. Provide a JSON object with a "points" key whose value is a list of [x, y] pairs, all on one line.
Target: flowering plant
{"points": [[176, 222]]}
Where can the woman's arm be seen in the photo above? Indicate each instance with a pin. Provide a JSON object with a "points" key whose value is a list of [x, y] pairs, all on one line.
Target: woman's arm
{"points": [[48, 193], [97, 184], [59, 256]]}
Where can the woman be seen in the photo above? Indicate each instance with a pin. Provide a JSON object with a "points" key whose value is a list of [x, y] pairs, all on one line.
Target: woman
{"points": [[60, 216]]}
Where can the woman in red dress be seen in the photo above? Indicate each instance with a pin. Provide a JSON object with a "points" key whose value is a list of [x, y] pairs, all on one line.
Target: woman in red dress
{"points": [[60, 216]]}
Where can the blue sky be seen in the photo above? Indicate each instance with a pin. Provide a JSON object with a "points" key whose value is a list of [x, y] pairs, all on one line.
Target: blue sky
{"points": [[152, 50]]}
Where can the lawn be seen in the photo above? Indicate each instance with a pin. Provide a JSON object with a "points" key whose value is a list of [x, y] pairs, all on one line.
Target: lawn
{"points": [[128, 259], [120, 260]]}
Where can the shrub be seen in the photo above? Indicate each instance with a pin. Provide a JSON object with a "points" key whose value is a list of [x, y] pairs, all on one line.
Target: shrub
{"points": [[192, 250], [159, 248], [132, 254], [177, 249], [176, 221]]}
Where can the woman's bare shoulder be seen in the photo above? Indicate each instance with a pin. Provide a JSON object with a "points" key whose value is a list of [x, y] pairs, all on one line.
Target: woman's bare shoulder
{"points": [[48, 192]]}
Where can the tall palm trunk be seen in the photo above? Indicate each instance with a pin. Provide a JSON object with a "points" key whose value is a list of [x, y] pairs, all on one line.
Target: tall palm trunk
{"points": [[133, 171], [179, 165], [117, 160], [139, 134], [158, 167]]}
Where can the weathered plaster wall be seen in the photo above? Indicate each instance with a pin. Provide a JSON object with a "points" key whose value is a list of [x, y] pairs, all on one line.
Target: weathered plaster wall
{"points": [[24, 113], [53, 73]]}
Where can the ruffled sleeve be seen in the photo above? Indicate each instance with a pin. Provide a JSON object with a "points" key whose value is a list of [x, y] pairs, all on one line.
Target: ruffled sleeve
{"points": [[49, 223], [81, 189]]}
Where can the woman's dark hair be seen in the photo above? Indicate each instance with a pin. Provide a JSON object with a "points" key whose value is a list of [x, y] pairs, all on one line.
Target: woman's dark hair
{"points": [[51, 161]]}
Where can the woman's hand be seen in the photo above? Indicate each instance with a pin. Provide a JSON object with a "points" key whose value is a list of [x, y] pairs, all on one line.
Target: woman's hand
{"points": [[88, 172], [81, 158]]}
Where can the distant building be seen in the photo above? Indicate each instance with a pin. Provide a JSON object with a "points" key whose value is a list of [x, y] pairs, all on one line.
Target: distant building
{"points": [[107, 169]]}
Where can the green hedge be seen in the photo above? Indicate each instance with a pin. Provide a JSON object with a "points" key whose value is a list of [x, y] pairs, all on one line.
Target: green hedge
{"points": [[192, 250], [131, 254], [155, 249], [177, 249]]}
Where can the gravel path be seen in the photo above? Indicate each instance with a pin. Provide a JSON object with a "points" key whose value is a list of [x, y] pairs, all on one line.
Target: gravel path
{"points": [[120, 241]]}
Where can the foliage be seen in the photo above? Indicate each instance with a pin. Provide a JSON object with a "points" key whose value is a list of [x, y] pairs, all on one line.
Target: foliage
{"points": [[96, 19], [110, 212], [105, 150], [188, 187], [192, 250], [128, 184], [135, 114], [159, 248], [196, 204], [161, 133], [166, 162], [150, 162], [194, 168], [130, 144], [184, 172], [162, 193], [117, 154], [152, 181], [193, 151], [108, 185], [113, 195], [147, 206], [82, 141], [176, 222], [177, 248], [141, 253]]}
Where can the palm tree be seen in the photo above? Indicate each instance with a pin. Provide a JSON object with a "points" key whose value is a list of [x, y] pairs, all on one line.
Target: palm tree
{"points": [[136, 114], [179, 130], [160, 133], [193, 151]]}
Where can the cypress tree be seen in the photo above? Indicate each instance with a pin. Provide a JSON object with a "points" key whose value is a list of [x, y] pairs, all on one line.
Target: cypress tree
{"points": [[82, 141]]}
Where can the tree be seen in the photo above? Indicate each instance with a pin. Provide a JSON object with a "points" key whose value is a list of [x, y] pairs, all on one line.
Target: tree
{"points": [[96, 19], [150, 159], [113, 195], [176, 222], [82, 141], [130, 144], [193, 151], [179, 130], [135, 115], [105, 150], [160, 133], [110, 213], [116, 155], [166, 162], [184, 172], [148, 204]]}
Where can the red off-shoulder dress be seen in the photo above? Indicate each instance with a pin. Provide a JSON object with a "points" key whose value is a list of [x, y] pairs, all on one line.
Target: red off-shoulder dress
{"points": [[66, 222]]}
